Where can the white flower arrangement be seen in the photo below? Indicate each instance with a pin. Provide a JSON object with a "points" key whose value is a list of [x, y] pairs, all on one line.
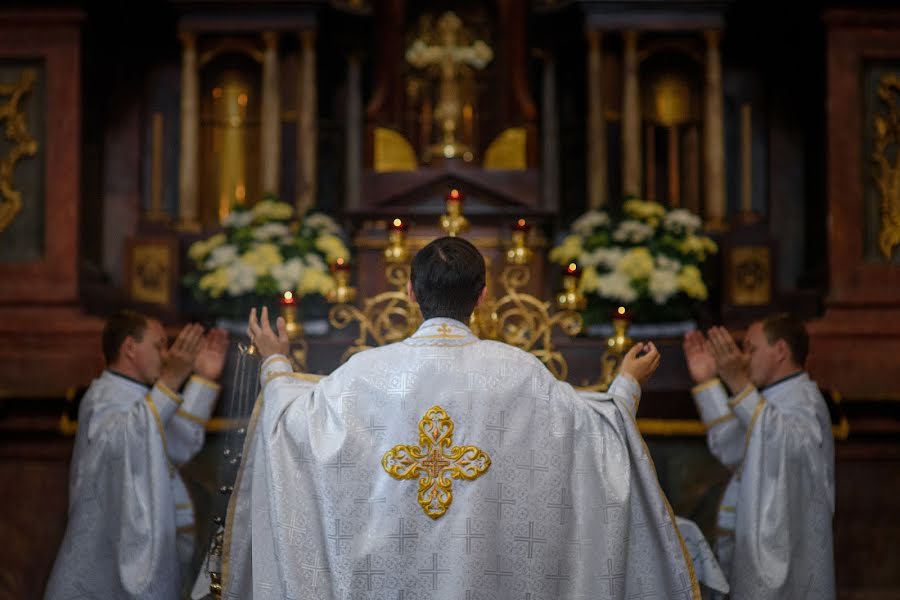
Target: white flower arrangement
{"points": [[263, 252], [649, 260]]}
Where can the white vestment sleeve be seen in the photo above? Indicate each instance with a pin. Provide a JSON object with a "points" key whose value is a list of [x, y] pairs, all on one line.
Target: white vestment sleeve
{"points": [[186, 430], [784, 541], [725, 434]]}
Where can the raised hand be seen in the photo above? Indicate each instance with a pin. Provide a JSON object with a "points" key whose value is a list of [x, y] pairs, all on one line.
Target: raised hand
{"points": [[179, 361], [641, 367], [732, 364], [210, 359], [700, 361], [261, 335]]}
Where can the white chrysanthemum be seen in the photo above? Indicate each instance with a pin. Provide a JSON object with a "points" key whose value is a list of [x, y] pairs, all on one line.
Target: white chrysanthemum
{"points": [[288, 274], [314, 261], [681, 221], [269, 231], [272, 209], [589, 221], [238, 219], [222, 257], [663, 285], [241, 278], [616, 286], [321, 222], [666, 263], [633, 232]]}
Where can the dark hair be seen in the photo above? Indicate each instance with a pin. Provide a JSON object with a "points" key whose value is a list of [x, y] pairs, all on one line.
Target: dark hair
{"points": [[787, 327], [447, 277], [121, 325]]}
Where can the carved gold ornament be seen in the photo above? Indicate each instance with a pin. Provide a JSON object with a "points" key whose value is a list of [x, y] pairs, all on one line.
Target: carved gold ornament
{"points": [[435, 461], [886, 159], [24, 144]]}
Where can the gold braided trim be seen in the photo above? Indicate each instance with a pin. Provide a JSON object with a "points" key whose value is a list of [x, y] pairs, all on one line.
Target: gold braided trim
{"points": [[275, 358], [232, 500], [740, 397], [706, 385], [159, 426], [719, 420], [206, 382], [308, 377], [168, 392], [190, 417]]}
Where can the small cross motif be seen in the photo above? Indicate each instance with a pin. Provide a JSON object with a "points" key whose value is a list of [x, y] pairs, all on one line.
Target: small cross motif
{"points": [[558, 577], [530, 539], [316, 568], [401, 537], [531, 467], [498, 573], [500, 501], [435, 462], [469, 535], [502, 428], [369, 572], [434, 571], [337, 537]]}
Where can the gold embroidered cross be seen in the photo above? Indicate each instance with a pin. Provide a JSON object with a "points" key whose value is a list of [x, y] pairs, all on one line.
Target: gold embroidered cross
{"points": [[435, 461], [444, 329]]}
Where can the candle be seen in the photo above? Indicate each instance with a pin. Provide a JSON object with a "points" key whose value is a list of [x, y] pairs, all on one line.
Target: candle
{"points": [[340, 265], [454, 196], [287, 299], [621, 313], [571, 270], [521, 225], [398, 225]]}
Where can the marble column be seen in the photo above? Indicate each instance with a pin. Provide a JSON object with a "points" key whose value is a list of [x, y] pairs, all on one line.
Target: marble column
{"points": [[596, 139], [631, 118], [189, 159], [353, 131], [270, 118], [307, 135], [550, 134], [714, 142]]}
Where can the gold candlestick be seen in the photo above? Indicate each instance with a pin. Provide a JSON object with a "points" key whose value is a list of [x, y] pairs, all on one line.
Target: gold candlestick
{"points": [[617, 346], [571, 297], [343, 293], [453, 222], [396, 251], [289, 312], [519, 253]]}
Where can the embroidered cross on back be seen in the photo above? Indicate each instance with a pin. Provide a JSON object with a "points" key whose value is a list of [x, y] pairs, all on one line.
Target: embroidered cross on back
{"points": [[435, 461]]}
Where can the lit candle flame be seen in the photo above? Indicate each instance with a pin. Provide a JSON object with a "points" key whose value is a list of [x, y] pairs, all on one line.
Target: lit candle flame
{"points": [[572, 268], [288, 296], [398, 223], [621, 310]]}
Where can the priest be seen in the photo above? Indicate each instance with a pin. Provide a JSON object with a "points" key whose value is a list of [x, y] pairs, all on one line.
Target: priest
{"points": [[768, 423], [131, 522], [445, 466]]}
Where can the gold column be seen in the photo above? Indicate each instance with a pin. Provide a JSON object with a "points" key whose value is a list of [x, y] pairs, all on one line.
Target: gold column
{"points": [[691, 154], [306, 123], [190, 135], [714, 144], [270, 118], [650, 161], [596, 146], [156, 212], [674, 167], [631, 118]]}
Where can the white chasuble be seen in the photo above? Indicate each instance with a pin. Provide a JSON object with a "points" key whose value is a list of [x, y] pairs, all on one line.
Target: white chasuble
{"points": [[130, 528], [445, 466], [774, 535]]}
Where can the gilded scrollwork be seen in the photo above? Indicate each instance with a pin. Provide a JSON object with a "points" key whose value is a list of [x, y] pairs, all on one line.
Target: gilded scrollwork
{"points": [[24, 144], [886, 159]]}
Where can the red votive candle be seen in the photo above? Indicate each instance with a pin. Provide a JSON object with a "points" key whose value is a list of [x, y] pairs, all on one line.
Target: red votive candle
{"points": [[398, 225], [454, 196], [287, 299], [340, 265], [521, 225]]}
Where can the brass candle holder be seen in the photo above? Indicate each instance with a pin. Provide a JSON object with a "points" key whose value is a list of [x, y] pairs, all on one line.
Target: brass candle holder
{"points": [[453, 222], [396, 252], [289, 313], [343, 292], [617, 346], [518, 253], [571, 298]]}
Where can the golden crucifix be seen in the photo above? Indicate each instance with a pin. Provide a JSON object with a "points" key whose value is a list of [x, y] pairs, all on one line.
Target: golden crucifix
{"points": [[449, 56], [435, 462]]}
